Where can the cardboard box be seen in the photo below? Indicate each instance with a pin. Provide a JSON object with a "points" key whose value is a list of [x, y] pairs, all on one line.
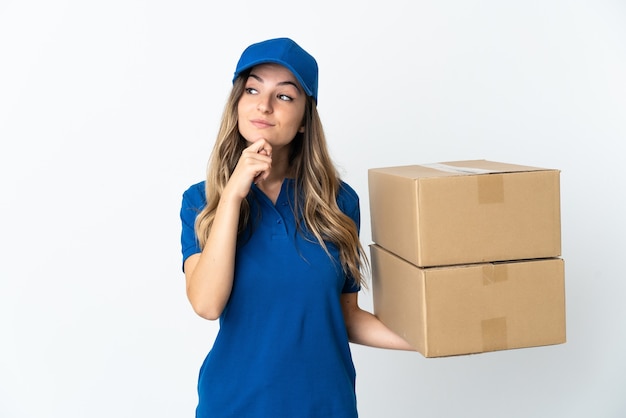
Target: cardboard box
{"points": [[454, 310], [466, 212]]}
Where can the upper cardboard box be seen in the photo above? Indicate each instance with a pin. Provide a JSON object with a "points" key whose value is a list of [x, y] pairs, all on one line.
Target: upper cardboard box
{"points": [[466, 212]]}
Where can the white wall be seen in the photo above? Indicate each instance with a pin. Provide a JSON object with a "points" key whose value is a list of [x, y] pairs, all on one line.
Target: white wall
{"points": [[108, 111]]}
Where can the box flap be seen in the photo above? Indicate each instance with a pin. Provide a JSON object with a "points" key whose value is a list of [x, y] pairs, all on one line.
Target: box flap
{"points": [[456, 168]]}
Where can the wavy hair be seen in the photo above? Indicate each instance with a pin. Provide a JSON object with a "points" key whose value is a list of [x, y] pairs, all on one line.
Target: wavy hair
{"points": [[316, 190]]}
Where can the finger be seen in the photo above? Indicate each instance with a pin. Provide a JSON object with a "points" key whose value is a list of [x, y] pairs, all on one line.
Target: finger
{"points": [[260, 146], [257, 165]]}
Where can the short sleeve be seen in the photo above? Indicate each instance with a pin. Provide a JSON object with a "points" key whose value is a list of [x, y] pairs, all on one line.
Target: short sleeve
{"points": [[194, 200], [348, 202]]}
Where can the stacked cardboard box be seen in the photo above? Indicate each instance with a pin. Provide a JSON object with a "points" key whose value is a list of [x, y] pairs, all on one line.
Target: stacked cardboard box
{"points": [[466, 255]]}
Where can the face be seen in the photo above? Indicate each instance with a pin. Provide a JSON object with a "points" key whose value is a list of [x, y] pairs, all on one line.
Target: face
{"points": [[271, 106]]}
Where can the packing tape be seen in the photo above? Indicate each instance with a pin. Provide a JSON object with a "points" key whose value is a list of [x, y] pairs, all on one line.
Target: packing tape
{"points": [[490, 188], [495, 273], [495, 336], [456, 169]]}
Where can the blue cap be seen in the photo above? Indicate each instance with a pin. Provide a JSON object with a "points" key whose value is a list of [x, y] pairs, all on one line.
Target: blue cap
{"points": [[287, 53]]}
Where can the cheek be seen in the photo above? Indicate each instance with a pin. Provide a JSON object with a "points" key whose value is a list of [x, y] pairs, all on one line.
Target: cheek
{"points": [[246, 103], [240, 107], [295, 126], [297, 120], [240, 117], [241, 113]]}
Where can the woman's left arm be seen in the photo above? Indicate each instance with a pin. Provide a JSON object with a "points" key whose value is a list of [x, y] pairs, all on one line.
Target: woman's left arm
{"points": [[366, 329]]}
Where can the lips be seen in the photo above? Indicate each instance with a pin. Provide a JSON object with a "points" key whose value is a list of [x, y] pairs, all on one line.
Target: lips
{"points": [[260, 123]]}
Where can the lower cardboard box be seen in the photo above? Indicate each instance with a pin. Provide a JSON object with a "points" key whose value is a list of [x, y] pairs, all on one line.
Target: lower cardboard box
{"points": [[468, 309]]}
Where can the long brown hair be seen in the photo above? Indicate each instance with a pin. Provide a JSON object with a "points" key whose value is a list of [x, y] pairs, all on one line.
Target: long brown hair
{"points": [[317, 184]]}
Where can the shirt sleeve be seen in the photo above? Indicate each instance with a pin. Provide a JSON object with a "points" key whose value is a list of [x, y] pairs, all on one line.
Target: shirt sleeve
{"points": [[348, 201], [193, 202]]}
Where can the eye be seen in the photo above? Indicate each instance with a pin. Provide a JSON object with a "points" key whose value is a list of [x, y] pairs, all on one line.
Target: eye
{"points": [[251, 90], [285, 98]]}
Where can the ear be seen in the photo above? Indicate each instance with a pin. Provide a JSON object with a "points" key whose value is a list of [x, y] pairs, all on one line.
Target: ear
{"points": [[301, 129]]}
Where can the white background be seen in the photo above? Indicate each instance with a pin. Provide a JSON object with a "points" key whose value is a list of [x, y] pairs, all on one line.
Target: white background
{"points": [[108, 111]]}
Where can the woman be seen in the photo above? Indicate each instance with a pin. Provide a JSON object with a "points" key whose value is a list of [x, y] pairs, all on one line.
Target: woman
{"points": [[270, 247]]}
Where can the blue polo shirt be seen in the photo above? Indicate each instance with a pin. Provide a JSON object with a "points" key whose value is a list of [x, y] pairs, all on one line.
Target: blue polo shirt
{"points": [[282, 348]]}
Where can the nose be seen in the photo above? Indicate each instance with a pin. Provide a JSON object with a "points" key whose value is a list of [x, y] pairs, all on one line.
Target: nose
{"points": [[264, 104]]}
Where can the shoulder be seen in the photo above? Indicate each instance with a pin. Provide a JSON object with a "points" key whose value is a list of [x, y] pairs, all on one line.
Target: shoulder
{"points": [[347, 198], [195, 195]]}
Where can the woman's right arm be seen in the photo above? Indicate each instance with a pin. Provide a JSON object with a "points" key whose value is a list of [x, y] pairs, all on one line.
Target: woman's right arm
{"points": [[209, 274]]}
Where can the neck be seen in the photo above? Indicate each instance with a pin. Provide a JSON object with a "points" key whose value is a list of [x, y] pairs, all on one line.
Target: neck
{"points": [[280, 166], [271, 186]]}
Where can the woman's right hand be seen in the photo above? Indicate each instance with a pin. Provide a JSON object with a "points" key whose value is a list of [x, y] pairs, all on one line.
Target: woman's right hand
{"points": [[253, 166]]}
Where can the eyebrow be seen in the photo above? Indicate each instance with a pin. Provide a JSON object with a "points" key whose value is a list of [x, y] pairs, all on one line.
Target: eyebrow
{"points": [[282, 83]]}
